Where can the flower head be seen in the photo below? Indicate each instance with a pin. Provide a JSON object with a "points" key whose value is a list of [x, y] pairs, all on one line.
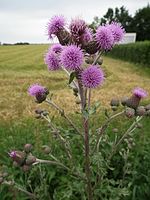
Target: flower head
{"points": [[139, 92], [39, 92], [77, 27], [56, 48], [92, 76], [55, 24], [52, 60], [117, 31], [12, 154], [71, 57], [36, 89], [87, 35], [104, 38]]}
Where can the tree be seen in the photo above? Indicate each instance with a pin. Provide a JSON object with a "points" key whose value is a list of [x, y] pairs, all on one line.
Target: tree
{"points": [[141, 23], [118, 14]]}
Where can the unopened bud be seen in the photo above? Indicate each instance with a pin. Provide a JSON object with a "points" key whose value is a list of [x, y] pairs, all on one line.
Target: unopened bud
{"points": [[47, 150], [129, 112], [140, 111], [26, 168], [28, 148], [148, 113], [147, 107], [124, 101], [15, 164], [30, 160], [114, 102], [91, 47], [89, 60]]}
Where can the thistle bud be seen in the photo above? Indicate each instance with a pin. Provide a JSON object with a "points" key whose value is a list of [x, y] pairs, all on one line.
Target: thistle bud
{"points": [[91, 47], [129, 112], [140, 111], [114, 102], [38, 111], [18, 156], [148, 113], [15, 164], [124, 101], [26, 168], [63, 37], [147, 107], [89, 60], [30, 160], [28, 148], [47, 150], [134, 100]]}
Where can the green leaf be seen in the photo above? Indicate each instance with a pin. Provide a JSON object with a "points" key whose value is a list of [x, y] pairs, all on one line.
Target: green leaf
{"points": [[72, 76]]}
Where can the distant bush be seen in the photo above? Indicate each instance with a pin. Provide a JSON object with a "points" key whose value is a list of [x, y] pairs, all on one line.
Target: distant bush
{"points": [[138, 52], [21, 43]]}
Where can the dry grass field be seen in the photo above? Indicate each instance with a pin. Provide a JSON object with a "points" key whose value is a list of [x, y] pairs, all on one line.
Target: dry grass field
{"points": [[21, 66]]}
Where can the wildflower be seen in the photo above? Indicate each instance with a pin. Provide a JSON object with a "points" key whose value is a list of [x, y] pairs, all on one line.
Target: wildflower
{"points": [[71, 57], [39, 92], [104, 38], [87, 35], [92, 76], [134, 100], [52, 60], [55, 24], [77, 28], [56, 48], [117, 31]]}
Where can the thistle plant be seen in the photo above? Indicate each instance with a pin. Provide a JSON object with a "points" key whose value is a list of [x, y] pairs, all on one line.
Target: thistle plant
{"points": [[79, 55]]}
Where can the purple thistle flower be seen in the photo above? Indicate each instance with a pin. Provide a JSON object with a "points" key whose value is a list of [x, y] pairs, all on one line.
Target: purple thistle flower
{"points": [[12, 154], [56, 48], [140, 93], [71, 57], [55, 24], [77, 27], [104, 38], [52, 60], [117, 30], [87, 35], [92, 76], [36, 89]]}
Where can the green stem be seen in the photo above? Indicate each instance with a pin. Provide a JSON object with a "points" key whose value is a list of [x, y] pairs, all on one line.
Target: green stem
{"points": [[61, 111]]}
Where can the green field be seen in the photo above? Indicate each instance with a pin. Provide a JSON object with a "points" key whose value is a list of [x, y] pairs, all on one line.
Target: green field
{"points": [[21, 66]]}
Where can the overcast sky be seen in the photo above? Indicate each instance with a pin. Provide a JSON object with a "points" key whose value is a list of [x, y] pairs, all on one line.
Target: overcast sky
{"points": [[25, 20]]}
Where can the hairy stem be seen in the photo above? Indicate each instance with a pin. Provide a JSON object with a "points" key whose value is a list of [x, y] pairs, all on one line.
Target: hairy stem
{"points": [[86, 139], [19, 188], [103, 128], [57, 163], [130, 130], [61, 111]]}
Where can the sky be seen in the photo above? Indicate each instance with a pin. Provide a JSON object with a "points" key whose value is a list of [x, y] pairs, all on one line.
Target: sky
{"points": [[26, 20]]}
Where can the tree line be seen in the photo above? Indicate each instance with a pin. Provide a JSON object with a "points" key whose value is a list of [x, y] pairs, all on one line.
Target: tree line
{"points": [[139, 23]]}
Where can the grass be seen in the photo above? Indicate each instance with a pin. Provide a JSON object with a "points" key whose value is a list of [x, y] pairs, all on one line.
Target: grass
{"points": [[21, 66]]}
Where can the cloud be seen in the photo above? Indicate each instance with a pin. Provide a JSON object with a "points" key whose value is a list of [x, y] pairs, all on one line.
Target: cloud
{"points": [[26, 20]]}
